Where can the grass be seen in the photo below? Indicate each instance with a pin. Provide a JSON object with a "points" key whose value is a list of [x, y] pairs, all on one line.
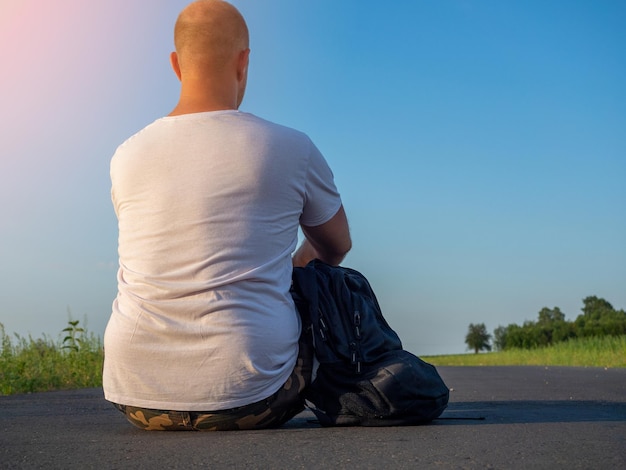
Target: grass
{"points": [[30, 365], [39, 365], [607, 351]]}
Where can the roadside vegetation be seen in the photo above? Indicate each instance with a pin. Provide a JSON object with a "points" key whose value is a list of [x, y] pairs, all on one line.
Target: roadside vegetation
{"points": [[596, 338], [597, 320], [39, 365], [602, 351]]}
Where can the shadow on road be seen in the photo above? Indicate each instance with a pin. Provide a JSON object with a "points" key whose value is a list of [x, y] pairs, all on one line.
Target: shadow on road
{"points": [[532, 411]]}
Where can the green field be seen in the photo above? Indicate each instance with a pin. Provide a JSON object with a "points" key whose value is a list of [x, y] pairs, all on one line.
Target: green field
{"points": [[607, 351], [37, 365]]}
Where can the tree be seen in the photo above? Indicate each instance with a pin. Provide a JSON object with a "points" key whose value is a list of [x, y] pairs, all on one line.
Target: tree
{"points": [[549, 316], [595, 307], [477, 338], [500, 338], [551, 327], [599, 318]]}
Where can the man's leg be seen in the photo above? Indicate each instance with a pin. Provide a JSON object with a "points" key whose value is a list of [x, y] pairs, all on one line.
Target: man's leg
{"points": [[156, 420]]}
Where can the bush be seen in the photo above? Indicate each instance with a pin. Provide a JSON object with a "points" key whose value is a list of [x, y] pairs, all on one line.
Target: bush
{"points": [[598, 319]]}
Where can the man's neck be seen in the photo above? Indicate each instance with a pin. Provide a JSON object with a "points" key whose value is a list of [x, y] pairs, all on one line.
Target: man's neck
{"points": [[197, 108], [197, 97]]}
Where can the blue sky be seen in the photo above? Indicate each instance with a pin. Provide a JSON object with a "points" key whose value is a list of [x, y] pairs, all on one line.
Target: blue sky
{"points": [[479, 147]]}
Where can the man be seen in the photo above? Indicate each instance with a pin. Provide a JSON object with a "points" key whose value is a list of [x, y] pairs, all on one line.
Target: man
{"points": [[204, 334]]}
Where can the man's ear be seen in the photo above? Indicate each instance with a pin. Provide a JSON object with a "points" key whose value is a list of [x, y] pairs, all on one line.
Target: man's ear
{"points": [[175, 64], [242, 65]]}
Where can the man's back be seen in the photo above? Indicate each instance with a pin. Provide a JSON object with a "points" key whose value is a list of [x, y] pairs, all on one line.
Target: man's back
{"points": [[209, 206]]}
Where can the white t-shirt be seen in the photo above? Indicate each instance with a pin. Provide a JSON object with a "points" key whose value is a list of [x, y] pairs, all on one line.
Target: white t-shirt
{"points": [[209, 206]]}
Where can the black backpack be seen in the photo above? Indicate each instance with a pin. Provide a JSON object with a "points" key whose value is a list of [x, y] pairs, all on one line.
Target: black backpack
{"points": [[365, 377]]}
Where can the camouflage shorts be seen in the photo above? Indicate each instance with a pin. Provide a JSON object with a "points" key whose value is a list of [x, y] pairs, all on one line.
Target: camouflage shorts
{"points": [[269, 413]]}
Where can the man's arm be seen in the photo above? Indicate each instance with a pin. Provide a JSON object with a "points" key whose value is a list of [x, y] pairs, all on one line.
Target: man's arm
{"points": [[329, 242]]}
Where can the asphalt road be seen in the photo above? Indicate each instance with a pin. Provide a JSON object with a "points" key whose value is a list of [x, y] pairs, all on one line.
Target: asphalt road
{"points": [[498, 417]]}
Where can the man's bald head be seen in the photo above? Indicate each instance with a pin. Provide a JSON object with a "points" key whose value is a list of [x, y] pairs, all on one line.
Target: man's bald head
{"points": [[208, 35]]}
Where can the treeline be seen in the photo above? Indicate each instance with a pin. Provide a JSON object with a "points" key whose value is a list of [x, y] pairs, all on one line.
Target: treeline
{"points": [[598, 318]]}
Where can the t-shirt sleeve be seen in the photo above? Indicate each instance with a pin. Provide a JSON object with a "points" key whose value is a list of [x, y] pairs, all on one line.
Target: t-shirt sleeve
{"points": [[322, 200]]}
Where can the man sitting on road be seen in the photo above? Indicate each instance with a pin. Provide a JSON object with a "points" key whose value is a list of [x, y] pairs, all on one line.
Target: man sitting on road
{"points": [[204, 334]]}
